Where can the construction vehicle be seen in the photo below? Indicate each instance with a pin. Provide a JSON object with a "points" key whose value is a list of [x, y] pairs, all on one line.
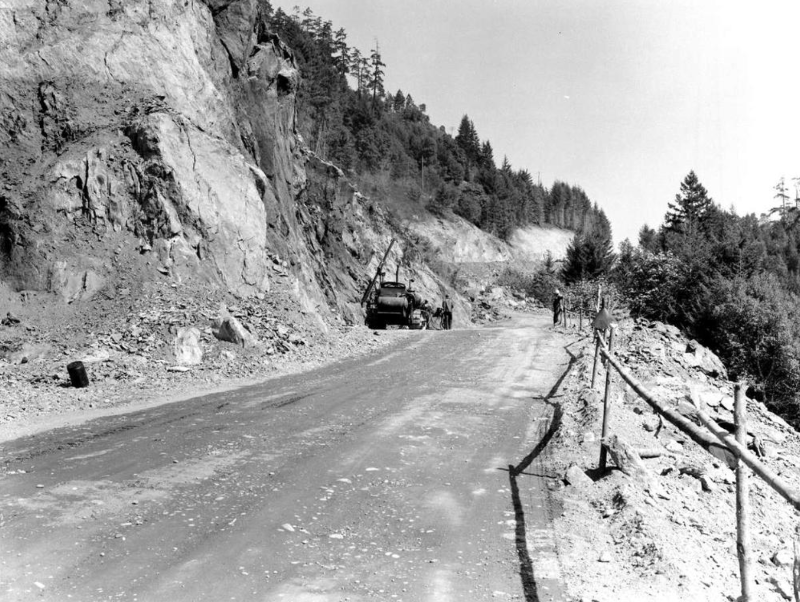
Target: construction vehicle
{"points": [[393, 302]]}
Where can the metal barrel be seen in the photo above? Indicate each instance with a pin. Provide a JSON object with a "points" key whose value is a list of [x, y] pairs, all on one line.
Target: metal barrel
{"points": [[77, 374]]}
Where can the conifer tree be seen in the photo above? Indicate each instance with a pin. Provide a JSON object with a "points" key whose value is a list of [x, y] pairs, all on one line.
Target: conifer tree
{"points": [[399, 101], [355, 66], [690, 207], [467, 139], [376, 73], [782, 197], [588, 257], [487, 155], [342, 51]]}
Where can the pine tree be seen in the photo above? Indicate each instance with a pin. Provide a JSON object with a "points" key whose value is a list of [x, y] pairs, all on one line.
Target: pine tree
{"points": [[399, 101], [691, 205], [588, 257], [376, 73], [355, 67], [648, 239], [782, 196], [467, 139], [342, 51], [487, 155]]}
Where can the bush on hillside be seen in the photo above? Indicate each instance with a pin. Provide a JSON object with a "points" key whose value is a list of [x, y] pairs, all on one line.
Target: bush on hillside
{"points": [[755, 326], [730, 282]]}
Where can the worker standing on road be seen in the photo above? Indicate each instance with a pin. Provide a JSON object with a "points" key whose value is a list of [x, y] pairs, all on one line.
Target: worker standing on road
{"points": [[558, 306], [447, 313]]}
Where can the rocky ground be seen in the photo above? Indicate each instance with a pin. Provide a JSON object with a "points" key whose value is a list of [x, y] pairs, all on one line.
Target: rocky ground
{"points": [[621, 542], [127, 338]]}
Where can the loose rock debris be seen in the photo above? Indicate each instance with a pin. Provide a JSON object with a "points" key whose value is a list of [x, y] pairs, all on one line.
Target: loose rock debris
{"points": [[136, 347], [678, 543]]}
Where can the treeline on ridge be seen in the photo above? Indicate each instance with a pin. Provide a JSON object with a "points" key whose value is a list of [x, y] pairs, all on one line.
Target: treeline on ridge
{"points": [[366, 130]]}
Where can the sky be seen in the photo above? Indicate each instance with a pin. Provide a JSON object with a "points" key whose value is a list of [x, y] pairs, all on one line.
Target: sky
{"points": [[620, 97]]}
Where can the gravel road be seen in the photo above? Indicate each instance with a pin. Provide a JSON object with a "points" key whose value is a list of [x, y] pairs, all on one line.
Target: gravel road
{"points": [[385, 478]]}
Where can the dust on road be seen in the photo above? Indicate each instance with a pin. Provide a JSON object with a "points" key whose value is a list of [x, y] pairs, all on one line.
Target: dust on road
{"points": [[414, 475]]}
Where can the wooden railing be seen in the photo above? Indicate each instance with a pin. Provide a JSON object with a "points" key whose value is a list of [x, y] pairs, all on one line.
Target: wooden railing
{"points": [[713, 439]]}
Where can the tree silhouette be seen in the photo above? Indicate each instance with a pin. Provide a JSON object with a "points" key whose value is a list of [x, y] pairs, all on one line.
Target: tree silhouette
{"points": [[376, 73], [690, 207]]}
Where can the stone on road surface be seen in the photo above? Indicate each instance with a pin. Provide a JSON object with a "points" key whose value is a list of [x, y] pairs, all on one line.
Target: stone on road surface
{"points": [[385, 478]]}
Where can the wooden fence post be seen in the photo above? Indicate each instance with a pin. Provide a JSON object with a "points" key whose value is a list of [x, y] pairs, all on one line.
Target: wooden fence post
{"points": [[597, 336], [606, 408], [742, 499]]}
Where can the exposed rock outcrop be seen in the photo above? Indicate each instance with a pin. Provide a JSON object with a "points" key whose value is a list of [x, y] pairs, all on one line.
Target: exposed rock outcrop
{"points": [[168, 130]]}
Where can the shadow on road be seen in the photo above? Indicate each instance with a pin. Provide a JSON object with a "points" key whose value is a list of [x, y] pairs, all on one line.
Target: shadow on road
{"points": [[546, 434]]}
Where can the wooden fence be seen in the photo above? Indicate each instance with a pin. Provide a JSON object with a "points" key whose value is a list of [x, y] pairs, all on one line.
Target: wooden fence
{"points": [[714, 439]]}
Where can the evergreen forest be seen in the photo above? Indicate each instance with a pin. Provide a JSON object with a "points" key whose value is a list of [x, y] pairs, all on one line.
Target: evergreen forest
{"points": [[347, 117], [731, 282]]}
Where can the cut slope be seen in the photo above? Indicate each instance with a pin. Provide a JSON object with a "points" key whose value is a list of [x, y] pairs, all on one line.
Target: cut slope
{"points": [[456, 240]]}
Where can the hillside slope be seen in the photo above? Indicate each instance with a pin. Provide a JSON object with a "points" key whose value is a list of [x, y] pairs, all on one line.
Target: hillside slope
{"points": [[456, 240], [669, 534]]}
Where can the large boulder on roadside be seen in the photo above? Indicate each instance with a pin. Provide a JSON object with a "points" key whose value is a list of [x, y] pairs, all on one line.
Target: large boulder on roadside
{"points": [[29, 352], [577, 477], [229, 329], [186, 347]]}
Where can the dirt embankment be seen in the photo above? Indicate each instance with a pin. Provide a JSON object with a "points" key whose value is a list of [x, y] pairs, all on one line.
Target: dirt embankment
{"points": [[675, 540]]}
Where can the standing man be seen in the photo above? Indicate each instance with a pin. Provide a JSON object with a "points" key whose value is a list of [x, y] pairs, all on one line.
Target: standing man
{"points": [[558, 307], [447, 313]]}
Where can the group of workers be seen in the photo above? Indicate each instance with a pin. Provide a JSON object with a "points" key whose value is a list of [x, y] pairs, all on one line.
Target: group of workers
{"points": [[445, 312]]}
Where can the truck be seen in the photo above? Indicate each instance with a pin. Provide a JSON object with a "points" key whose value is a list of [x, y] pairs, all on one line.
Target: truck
{"points": [[394, 303]]}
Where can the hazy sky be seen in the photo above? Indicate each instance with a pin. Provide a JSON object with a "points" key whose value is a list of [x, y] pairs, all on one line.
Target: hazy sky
{"points": [[622, 98]]}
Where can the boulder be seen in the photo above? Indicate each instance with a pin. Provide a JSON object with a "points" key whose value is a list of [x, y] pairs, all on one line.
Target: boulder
{"points": [[186, 347], [30, 352], [74, 284], [232, 331], [10, 320], [576, 477], [96, 356], [700, 357], [783, 557]]}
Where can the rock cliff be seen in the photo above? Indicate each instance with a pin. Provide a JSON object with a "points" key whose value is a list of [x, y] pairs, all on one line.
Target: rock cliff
{"points": [[166, 130]]}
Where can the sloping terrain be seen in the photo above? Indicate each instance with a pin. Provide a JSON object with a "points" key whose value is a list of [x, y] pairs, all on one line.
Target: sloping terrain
{"points": [[458, 241], [677, 539]]}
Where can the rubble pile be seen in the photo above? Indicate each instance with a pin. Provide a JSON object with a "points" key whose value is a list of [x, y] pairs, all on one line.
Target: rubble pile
{"points": [[159, 339], [670, 534], [492, 304]]}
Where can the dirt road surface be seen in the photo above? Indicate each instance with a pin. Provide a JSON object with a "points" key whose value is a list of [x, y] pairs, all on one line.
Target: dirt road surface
{"points": [[379, 479]]}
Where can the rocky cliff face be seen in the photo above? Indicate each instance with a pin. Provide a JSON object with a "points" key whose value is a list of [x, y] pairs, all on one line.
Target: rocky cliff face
{"points": [[166, 129]]}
